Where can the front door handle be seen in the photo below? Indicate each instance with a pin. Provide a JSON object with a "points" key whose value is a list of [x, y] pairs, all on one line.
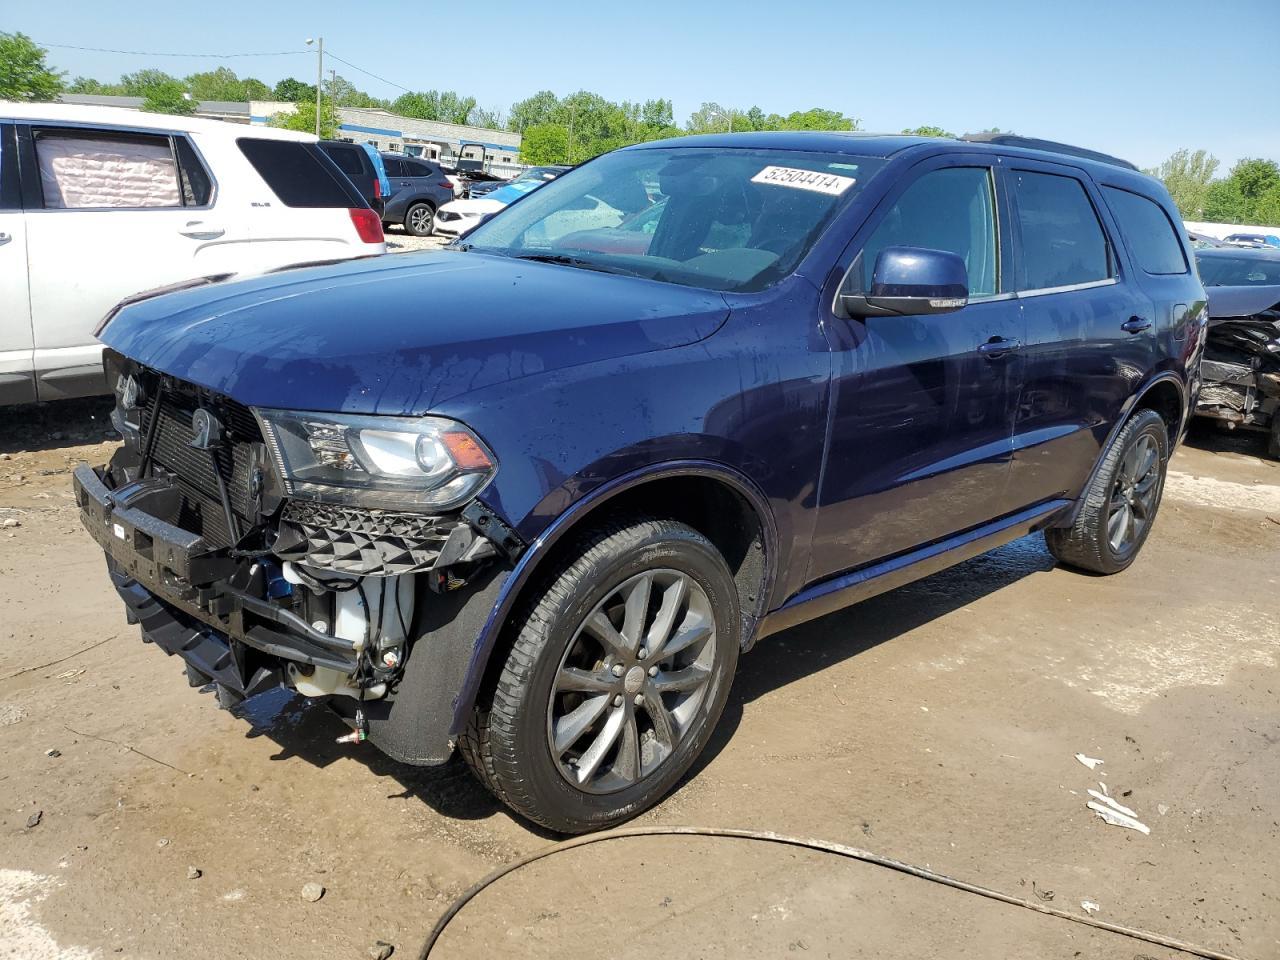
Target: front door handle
{"points": [[997, 348], [1135, 325], [199, 230], [4, 238]]}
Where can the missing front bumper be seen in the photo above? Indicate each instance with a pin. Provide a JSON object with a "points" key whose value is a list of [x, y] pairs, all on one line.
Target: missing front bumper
{"points": [[197, 585]]}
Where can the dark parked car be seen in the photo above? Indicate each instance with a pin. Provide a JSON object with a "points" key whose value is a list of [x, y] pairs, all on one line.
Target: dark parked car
{"points": [[532, 501], [1254, 239], [1240, 372], [363, 167], [418, 189]]}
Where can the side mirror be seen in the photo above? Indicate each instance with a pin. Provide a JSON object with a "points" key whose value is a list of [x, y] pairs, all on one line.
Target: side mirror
{"points": [[912, 282]]}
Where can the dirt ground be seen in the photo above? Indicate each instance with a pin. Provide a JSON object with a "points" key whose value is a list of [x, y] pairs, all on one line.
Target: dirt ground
{"points": [[936, 724]]}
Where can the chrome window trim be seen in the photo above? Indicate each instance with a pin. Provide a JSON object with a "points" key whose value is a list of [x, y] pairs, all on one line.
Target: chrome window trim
{"points": [[1070, 287]]}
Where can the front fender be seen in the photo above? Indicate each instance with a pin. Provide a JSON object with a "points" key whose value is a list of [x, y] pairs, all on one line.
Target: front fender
{"points": [[508, 591]]}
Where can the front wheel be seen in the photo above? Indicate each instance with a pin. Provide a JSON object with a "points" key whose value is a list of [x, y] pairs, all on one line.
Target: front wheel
{"points": [[1120, 502], [619, 670], [420, 219]]}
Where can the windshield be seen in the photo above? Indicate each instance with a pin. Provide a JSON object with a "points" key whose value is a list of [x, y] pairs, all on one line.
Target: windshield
{"points": [[513, 190], [725, 219], [1238, 271]]}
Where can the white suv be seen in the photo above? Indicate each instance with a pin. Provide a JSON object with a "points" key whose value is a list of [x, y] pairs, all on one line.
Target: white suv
{"points": [[99, 203]]}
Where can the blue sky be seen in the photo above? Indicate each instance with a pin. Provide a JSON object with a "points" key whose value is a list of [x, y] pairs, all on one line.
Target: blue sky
{"points": [[1132, 77]]}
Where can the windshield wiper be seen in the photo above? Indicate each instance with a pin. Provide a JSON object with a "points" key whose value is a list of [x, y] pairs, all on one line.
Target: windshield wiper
{"points": [[565, 260]]}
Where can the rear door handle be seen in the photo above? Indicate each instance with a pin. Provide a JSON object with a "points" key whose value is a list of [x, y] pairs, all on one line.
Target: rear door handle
{"points": [[199, 230], [1135, 325], [997, 349], [4, 238]]}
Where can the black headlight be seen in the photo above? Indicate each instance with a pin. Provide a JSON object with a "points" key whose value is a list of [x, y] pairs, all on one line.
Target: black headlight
{"points": [[394, 463]]}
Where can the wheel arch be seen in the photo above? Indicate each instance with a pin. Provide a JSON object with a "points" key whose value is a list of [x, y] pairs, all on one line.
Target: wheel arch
{"points": [[722, 504], [1164, 393]]}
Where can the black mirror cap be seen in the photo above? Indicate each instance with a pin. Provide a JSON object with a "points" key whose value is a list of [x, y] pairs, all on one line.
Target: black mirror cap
{"points": [[912, 281]]}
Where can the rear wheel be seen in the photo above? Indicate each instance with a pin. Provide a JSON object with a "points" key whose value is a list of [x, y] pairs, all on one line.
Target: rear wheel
{"points": [[420, 219], [1273, 445], [1120, 503], [617, 675]]}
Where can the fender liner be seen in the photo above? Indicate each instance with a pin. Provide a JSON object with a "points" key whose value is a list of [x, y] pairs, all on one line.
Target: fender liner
{"points": [[487, 637], [1069, 518], [413, 726]]}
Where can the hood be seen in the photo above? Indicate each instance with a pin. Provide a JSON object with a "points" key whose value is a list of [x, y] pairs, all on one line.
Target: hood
{"points": [[476, 207], [1241, 301], [399, 334]]}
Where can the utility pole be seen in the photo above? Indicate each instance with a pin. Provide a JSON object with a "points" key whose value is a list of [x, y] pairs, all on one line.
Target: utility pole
{"points": [[319, 78]]}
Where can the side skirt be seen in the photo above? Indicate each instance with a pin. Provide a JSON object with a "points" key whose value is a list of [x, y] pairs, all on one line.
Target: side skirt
{"points": [[842, 591]]}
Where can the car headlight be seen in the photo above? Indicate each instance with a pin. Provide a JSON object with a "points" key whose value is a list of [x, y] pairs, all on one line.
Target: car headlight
{"points": [[394, 463]]}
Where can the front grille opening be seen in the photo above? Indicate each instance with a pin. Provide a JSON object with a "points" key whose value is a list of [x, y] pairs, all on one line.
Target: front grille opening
{"points": [[200, 510]]}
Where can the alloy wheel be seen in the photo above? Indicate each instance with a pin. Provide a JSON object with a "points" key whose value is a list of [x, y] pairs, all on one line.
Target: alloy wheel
{"points": [[420, 219], [1133, 496], [631, 681]]}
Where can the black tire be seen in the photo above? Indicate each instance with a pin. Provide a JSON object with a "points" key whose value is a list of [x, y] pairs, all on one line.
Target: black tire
{"points": [[1273, 444], [420, 219], [509, 741], [1089, 544]]}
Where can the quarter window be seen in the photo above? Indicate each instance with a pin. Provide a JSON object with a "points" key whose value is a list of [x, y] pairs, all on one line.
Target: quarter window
{"points": [[299, 173], [87, 170], [952, 209], [1062, 242], [1148, 232]]}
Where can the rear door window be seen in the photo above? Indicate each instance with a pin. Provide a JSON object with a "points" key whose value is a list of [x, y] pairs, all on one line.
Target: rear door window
{"points": [[1062, 241], [951, 209], [193, 176], [1151, 237], [87, 170], [395, 167], [299, 173]]}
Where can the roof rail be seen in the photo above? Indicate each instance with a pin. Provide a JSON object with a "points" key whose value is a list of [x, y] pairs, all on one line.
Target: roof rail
{"points": [[1050, 146]]}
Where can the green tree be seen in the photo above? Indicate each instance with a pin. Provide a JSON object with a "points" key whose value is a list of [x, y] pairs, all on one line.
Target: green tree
{"points": [[293, 90], [90, 85], [169, 97], [1187, 175], [541, 108], [483, 117], [1266, 209], [220, 84], [711, 117], [930, 132], [816, 118], [544, 143], [1224, 203], [304, 119], [344, 93], [141, 84], [1255, 177], [24, 75]]}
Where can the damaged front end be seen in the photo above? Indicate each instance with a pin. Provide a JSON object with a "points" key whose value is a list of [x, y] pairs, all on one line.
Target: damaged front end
{"points": [[317, 551], [1240, 371]]}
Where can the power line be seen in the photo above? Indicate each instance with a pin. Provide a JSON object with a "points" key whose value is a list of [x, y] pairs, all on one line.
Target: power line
{"points": [[389, 83], [226, 56], [152, 53]]}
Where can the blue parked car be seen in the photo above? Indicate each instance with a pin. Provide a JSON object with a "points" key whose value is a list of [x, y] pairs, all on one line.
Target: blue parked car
{"points": [[532, 500]]}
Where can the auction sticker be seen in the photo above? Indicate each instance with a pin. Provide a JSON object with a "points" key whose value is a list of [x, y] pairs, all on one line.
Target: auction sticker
{"points": [[797, 179]]}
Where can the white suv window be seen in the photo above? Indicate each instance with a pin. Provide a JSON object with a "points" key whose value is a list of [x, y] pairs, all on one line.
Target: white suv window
{"points": [[80, 169]]}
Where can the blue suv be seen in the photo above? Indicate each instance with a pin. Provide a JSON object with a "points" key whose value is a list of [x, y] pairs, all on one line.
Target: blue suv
{"points": [[530, 497]]}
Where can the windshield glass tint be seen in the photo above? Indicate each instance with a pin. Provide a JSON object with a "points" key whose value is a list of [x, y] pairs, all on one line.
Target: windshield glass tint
{"points": [[1238, 271], [735, 220], [513, 190]]}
